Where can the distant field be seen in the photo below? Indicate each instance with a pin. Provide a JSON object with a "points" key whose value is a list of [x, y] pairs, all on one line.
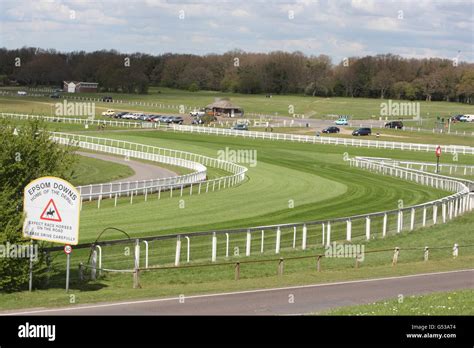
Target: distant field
{"points": [[277, 105]]}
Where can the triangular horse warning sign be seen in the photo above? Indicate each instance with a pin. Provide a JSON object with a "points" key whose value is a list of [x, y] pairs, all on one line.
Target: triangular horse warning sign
{"points": [[50, 212]]}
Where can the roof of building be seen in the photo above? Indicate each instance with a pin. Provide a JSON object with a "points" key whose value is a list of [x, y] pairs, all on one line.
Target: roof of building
{"points": [[222, 104], [78, 82]]}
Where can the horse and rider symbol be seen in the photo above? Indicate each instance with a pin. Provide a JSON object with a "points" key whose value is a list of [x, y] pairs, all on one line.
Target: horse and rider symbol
{"points": [[50, 212]]}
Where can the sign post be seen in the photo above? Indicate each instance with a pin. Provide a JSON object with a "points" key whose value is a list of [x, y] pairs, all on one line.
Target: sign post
{"points": [[30, 283], [67, 250], [438, 155], [51, 207]]}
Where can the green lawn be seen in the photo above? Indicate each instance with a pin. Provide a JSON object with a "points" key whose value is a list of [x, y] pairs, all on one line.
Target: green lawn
{"points": [[175, 282], [315, 107], [459, 302], [89, 170], [314, 178]]}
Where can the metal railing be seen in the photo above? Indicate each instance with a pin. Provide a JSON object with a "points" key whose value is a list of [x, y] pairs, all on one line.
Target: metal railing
{"points": [[358, 258]]}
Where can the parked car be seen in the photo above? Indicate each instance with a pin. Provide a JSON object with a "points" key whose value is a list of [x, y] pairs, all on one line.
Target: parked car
{"points": [[166, 119], [120, 114], [130, 116], [456, 118], [21, 93], [331, 129], [362, 131], [109, 113], [394, 124], [467, 118], [342, 121], [144, 117], [55, 96], [177, 120], [157, 118], [240, 126], [107, 99], [197, 113]]}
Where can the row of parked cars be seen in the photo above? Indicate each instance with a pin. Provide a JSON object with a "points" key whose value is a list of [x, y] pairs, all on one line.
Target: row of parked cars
{"points": [[138, 116]]}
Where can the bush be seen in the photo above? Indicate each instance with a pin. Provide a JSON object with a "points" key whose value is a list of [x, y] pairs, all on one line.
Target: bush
{"points": [[193, 87], [26, 153]]}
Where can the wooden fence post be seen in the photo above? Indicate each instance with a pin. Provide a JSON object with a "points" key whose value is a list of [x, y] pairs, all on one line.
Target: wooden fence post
{"points": [[237, 271], [396, 253]]}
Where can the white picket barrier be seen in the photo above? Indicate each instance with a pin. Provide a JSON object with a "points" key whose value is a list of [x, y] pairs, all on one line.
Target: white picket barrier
{"points": [[455, 149], [188, 160]]}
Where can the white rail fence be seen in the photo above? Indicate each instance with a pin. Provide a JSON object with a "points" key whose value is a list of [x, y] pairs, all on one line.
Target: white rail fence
{"points": [[196, 181], [454, 149], [84, 121], [446, 168], [357, 142], [214, 245]]}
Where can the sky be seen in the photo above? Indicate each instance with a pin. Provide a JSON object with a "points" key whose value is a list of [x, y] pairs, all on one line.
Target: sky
{"points": [[338, 28]]}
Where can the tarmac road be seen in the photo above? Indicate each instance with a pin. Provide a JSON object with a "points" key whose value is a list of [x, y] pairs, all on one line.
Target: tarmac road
{"points": [[306, 299]]}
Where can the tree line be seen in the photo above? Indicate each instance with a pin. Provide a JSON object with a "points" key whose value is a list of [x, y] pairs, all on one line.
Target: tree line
{"points": [[380, 76]]}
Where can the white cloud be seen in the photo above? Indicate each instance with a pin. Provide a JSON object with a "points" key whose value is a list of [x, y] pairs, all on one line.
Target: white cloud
{"points": [[385, 24], [338, 28]]}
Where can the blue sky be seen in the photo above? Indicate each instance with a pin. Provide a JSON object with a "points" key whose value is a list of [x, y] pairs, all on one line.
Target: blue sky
{"points": [[338, 28]]}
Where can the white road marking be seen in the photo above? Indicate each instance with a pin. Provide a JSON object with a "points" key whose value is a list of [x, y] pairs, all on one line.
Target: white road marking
{"points": [[230, 293]]}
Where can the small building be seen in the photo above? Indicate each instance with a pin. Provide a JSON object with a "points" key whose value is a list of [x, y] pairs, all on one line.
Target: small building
{"points": [[79, 87], [223, 107]]}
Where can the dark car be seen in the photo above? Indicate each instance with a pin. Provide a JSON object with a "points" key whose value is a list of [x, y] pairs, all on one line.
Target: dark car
{"points": [[120, 114], [240, 126], [107, 99], [362, 131], [55, 96], [177, 120], [456, 118], [394, 124], [331, 129]]}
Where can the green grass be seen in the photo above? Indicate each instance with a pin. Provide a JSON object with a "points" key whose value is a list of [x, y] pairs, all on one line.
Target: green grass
{"points": [[174, 282], [89, 170], [385, 135], [315, 107], [313, 177], [459, 302]]}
